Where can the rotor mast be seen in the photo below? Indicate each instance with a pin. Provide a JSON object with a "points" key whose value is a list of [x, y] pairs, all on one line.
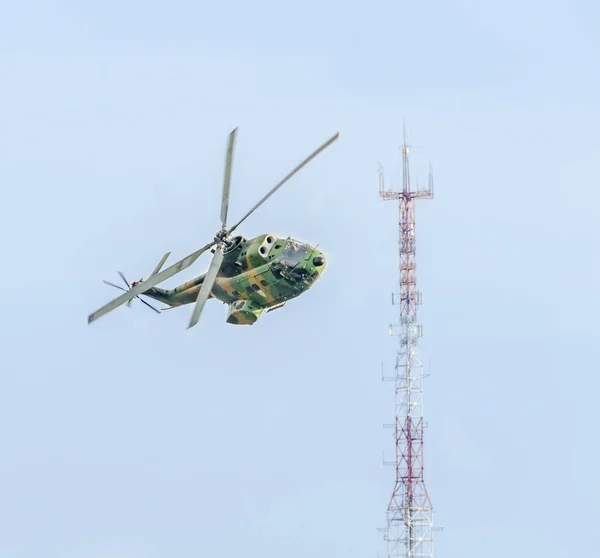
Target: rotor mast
{"points": [[409, 530]]}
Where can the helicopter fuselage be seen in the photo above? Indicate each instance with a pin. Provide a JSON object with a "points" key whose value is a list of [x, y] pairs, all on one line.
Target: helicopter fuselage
{"points": [[256, 275]]}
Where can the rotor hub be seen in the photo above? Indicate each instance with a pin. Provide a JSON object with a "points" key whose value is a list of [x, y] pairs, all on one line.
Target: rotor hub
{"points": [[221, 235]]}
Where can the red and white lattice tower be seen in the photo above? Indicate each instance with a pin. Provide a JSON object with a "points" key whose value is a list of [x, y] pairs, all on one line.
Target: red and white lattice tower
{"points": [[409, 530]]}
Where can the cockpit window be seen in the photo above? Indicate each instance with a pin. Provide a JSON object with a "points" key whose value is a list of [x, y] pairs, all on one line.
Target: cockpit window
{"points": [[292, 254]]}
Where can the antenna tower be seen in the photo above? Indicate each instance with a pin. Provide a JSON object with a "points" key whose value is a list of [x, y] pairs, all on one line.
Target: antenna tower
{"points": [[409, 530]]}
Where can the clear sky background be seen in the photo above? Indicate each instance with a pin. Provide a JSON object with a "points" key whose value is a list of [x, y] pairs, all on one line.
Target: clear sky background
{"points": [[134, 438]]}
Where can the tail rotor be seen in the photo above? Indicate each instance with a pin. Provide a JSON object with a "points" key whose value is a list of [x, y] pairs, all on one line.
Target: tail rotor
{"points": [[129, 287]]}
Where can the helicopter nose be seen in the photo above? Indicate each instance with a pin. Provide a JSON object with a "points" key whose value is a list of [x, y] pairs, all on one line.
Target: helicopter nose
{"points": [[318, 261]]}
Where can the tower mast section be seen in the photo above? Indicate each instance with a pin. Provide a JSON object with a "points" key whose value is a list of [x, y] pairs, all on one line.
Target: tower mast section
{"points": [[409, 529]]}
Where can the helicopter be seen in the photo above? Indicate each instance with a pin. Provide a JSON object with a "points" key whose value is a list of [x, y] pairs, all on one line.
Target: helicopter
{"points": [[251, 276]]}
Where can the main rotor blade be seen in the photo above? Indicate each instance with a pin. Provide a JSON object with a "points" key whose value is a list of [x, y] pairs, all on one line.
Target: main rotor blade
{"points": [[149, 283], [148, 305], [284, 180], [160, 264], [227, 177], [206, 287]]}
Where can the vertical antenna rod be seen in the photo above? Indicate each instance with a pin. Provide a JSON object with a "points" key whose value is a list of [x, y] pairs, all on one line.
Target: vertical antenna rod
{"points": [[409, 529]]}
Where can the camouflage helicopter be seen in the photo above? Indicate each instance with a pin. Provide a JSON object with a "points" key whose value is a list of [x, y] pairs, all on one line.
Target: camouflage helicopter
{"points": [[251, 276]]}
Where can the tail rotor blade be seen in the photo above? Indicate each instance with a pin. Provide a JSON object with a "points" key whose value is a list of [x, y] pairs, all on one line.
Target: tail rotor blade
{"points": [[113, 285], [207, 286], [227, 177], [124, 280], [284, 180], [148, 305]]}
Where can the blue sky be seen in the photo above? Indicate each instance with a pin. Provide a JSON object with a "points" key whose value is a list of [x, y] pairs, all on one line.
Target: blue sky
{"points": [[134, 438]]}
